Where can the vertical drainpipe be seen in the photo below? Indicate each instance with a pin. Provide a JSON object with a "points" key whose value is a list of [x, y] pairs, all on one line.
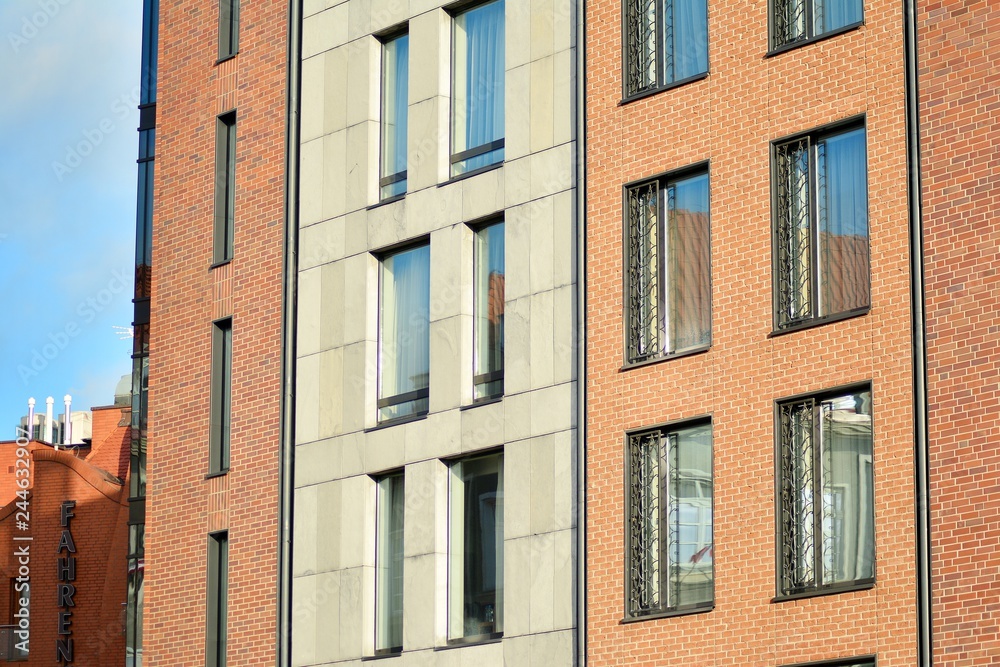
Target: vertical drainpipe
{"points": [[286, 461], [925, 656], [581, 339]]}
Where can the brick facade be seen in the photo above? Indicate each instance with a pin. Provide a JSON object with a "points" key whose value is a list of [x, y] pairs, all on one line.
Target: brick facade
{"points": [[728, 119], [188, 293], [959, 55]]}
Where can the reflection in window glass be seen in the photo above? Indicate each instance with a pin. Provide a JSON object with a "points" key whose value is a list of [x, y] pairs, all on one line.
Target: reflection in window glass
{"points": [[476, 548], [489, 315], [389, 565]]}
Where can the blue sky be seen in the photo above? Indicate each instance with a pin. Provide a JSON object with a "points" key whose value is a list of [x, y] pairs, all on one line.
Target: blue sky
{"points": [[69, 72]]}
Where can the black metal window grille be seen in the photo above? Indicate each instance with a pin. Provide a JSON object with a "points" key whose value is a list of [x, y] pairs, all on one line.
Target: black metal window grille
{"points": [[801, 20], [821, 250], [825, 498], [669, 521], [666, 42], [668, 301]]}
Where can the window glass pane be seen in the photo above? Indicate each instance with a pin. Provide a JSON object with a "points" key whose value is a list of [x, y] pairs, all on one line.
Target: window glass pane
{"points": [[685, 33], [478, 87], [389, 561], [843, 221], [688, 246], [690, 516], [489, 316], [832, 14], [644, 282], [217, 600], [395, 86], [848, 533], [477, 547], [404, 319], [222, 362]]}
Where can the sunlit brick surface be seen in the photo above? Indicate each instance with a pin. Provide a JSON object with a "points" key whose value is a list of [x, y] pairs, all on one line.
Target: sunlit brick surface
{"points": [[729, 119], [959, 55], [182, 506]]}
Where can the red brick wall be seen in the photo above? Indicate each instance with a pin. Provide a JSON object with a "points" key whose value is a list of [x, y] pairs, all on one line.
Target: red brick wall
{"points": [[959, 61], [729, 118], [182, 505], [110, 442], [100, 533]]}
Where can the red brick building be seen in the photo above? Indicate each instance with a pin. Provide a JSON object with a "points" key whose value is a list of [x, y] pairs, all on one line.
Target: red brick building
{"points": [[750, 461], [959, 56], [215, 341], [65, 537]]}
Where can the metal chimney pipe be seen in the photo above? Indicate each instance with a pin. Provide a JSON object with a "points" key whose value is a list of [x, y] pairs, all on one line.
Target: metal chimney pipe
{"points": [[48, 419], [68, 427], [30, 435]]}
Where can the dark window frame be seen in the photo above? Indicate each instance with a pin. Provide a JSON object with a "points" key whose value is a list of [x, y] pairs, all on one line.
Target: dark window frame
{"points": [[217, 599], [454, 11], [785, 590], [225, 188], [229, 29], [778, 45], [780, 283], [665, 610], [662, 181], [220, 421]]}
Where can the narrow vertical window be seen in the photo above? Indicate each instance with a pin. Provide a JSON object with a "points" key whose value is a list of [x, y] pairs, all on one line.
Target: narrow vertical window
{"points": [[395, 94], [225, 186], [825, 488], [666, 42], [821, 261], [217, 602], [222, 365], [389, 565], [477, 88], [670, 544], [135, 594], [229, 28], [800, 20], [669, 267], [476, 548], [404, 334], [489, 310]]}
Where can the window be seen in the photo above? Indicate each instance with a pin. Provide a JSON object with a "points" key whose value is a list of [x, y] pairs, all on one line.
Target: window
{"points": [[476, 548], [669, 287], [225, 186], [135, 594], [820, 227], [404, 334], [666, 42], [477, 88], [868, 661], [800, 20], [489, 307], [217, 603], [669, 506], [229, 28], [826, 513], [389, 565], [222, 369], [395, 86]]}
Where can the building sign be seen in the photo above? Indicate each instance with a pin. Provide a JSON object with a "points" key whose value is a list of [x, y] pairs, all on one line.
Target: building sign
{"points": [[66, 591]]}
